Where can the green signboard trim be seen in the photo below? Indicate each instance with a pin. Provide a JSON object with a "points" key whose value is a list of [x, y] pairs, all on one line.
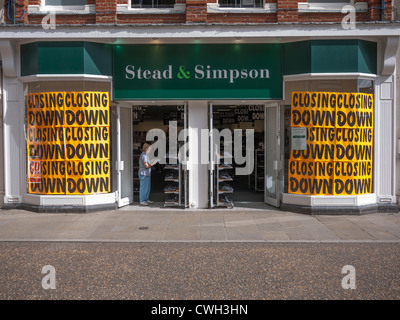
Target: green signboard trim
{"points": [[29, 59], [368, 57], [330, 56], [72, 57], [296, 58], [217, 94], [312, 56]]}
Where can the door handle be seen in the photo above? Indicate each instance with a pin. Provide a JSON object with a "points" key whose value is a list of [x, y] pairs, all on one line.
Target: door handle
{"points": [[119, 165]]}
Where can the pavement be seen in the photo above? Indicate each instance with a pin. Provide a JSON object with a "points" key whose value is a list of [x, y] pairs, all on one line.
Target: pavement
{"points": [[247, 223]]}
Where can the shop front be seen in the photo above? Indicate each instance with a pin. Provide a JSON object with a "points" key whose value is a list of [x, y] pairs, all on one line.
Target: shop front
{"points": [[232, 124]]}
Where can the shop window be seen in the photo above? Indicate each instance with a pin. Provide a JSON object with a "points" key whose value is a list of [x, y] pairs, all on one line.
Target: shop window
{"points": [[152, 3], [68, 138], [241, 3], [365, 86], [339, 156]]}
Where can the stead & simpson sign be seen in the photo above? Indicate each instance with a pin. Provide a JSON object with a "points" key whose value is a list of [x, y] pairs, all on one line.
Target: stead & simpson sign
{"points": [[198, 71]]}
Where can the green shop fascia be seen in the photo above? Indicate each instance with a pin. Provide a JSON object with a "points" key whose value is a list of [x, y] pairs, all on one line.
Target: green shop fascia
{"points": [[186, 72], [198, 71]]}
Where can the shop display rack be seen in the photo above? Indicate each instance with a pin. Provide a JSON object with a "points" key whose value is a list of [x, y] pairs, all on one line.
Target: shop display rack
{"points": [[173, 187], [256, 178], [224, 177], [136, 181]]}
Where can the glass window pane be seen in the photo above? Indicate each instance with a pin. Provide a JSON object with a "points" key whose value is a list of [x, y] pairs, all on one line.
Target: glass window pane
{"points": [[153, 3], [345, 85], [65, 2], [241, 3], [329, 1], [270, 146], [51, 136], [365, 86]]}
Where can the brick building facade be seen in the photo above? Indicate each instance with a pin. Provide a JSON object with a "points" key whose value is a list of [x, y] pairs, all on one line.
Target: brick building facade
{"points": [[200, 62], [201, 11]]}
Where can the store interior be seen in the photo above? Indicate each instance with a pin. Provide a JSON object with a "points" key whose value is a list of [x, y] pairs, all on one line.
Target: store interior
{"points": [[169, 182], [233, 189]]}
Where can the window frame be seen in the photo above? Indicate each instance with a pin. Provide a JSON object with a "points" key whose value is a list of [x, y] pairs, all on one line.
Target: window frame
{"points": [[331, 1], [266, 7], [153, 7], [68, 9], [126, 8], [72, 82], [309, 7], [44, 4], [262, 4], [316, 201]]}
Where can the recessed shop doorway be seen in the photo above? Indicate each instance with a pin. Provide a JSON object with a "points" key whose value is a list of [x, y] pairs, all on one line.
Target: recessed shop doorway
{"points": [[244, 148], [250, 177], [161, 126]]}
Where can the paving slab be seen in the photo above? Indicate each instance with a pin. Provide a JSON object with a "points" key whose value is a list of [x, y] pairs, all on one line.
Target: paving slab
{"points": [[275, 235], [213, 233], [188, 233], [134, 223], [373, 229]]}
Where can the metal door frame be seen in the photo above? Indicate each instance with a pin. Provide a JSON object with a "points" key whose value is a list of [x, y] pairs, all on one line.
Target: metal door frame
{"points": [[277, 161], [120, 165]]}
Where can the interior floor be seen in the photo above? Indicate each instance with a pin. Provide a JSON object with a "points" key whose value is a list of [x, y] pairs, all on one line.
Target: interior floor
{"points": [[244, 193]]}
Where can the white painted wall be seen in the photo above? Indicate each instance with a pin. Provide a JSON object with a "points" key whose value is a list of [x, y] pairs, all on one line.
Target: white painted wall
{"points": [[13, 119], [1, 139], [386, 124], [198, 173], [398, 117]]}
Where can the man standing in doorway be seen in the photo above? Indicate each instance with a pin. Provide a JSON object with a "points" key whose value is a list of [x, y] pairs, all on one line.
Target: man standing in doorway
{"points": [[145, 175]]}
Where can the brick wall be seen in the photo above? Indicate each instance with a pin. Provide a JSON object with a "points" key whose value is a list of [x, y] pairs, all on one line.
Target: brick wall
{"points": [[196, 12], [106, 11], [241, 18], [375, 11], [151, 18], [287, 11]]}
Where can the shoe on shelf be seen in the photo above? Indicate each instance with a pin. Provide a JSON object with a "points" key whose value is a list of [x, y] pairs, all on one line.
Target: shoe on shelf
{"points": [[226, 187], [172, 198], [225, 176], [143, 203], [171, 176], [170, 187], [224, 198]]}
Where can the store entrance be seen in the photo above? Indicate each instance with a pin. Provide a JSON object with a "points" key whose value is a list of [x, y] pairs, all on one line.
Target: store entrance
{"points": [[237, 172], [169, 180]]}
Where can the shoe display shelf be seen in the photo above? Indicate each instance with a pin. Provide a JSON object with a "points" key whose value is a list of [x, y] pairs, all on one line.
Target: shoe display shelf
{"points": [[224, 178], [173, 187], [256, 178], [136, 180]]}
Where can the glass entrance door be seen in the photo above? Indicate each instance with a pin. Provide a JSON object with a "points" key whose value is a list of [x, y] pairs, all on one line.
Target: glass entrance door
{"points": [[123, 164], [272, 154], [211, 155], [184, 167]]}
